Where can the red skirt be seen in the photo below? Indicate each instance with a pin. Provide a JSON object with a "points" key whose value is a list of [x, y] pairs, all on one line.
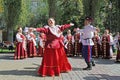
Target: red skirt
{"points": [[96, 52], [106, 50], [63, 61], [20, 52], [40, 51], [118, 55], [54, 61], [70, 49], [77, 48], [31, 49]]}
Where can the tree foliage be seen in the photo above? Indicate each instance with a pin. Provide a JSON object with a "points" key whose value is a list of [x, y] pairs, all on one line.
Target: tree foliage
{"points": [[34, 13], [25, 15], [111, 9], [1, 15], [72, 11], [1, 6], [41, 14], [12, 9], [52, 8]]}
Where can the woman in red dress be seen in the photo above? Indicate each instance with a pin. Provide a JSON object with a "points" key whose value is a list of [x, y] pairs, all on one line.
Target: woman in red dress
{"points": [[20, 51], [31, 44], [96, 52], [77, 43], [69, 48], [106, 45], [41, 44], [118, 50], [54, 58]]}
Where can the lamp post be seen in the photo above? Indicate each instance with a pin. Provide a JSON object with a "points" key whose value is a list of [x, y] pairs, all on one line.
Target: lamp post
{"points": [[110, 7]]}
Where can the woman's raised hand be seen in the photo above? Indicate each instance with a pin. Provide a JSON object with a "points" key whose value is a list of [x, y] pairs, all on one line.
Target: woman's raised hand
{"points": [[71, 24]]}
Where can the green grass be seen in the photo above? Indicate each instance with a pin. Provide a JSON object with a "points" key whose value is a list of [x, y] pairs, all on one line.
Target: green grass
{"points": [[6, 51]]}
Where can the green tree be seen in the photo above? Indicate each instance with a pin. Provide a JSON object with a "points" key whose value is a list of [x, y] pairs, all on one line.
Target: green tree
{"points": [[12, 9], [1, 6], [52, 8], [25, 14], [115, 16], [1, 15], [92, 8], [72, 11], [112, 12], [41, 14]]}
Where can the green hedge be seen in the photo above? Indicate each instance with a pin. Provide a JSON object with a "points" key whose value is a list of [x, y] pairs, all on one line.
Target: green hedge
{"points": [[6, 51]]}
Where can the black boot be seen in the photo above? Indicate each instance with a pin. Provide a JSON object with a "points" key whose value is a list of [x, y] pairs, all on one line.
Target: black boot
{"points": [[93, 63], [89, 66]]}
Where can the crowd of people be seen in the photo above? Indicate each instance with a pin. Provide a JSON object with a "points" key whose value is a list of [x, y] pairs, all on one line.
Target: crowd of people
{"points": [[54, 47]]}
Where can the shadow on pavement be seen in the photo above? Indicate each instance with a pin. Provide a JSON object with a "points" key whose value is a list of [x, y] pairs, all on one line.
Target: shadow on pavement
{"points": [[76, 69], [6, 56], [101, 77], [105, 61], [19, 72]]}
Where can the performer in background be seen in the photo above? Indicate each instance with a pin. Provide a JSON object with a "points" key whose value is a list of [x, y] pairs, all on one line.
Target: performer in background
{"points": [[41, 44], [20, 51], [118, 49], [106, 45], [115, 41], [111, 45], [69, 43], [77, 43], [54, 58], [116, 36], [31, 44], [96, 51]]}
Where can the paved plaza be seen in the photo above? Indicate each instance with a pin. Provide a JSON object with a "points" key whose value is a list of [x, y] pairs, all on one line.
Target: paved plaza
{"points": [[26, 69]]}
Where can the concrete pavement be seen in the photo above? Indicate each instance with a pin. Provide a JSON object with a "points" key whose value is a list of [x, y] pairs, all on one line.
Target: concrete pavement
{"points": [[26, 69]]}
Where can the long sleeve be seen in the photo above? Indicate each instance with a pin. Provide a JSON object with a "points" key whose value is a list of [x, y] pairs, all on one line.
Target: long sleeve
{"points": [[44, 30], [28, 37], [63, 27], [91, 28], [19, 39], [111, 40]]}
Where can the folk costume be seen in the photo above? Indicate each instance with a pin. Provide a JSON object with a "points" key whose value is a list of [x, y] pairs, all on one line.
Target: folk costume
{"points": [[31, 44], [69, 48], [20, 51], [96, 50], [87, 42], [77, 43], [54, 58], [118, 50], [106, 46], [41, 44]]}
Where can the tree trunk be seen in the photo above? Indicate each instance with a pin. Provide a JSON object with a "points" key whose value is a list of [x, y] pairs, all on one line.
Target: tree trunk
{"points": [[9, 29], [12, 12], [10, 23], [52, 8], [10, 34], [91, 8]]}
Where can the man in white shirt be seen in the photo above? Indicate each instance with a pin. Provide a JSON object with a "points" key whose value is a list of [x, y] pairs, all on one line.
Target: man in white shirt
{"points": [[88, 33]]}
